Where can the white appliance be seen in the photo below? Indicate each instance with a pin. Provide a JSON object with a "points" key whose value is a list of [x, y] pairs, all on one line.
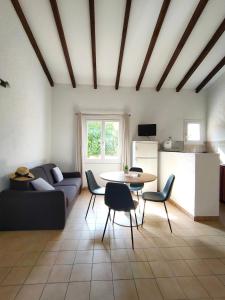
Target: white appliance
{"points": [[145, 156]]}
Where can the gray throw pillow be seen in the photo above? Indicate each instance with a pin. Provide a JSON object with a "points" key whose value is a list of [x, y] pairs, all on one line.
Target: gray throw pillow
{"points": [[57, 174], [40, 184]]}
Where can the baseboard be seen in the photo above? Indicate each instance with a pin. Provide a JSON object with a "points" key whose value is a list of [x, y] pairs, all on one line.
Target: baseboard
{"points": [[194, 218], [206, 218], [171, 201]]}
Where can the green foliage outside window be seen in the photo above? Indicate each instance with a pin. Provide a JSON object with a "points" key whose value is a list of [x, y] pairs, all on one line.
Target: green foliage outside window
{"points": [[111, 138], [94, 139]]}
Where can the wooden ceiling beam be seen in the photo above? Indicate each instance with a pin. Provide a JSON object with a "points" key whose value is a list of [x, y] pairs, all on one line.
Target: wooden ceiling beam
{"points": [[202, 55], [59, 26], [31, 38], [93, 42], [123, 40], [215, 70], [197, 13], [153, 40]]}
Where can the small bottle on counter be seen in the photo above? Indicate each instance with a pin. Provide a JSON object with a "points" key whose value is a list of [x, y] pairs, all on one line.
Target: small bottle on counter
{"points": [[168, 143]]}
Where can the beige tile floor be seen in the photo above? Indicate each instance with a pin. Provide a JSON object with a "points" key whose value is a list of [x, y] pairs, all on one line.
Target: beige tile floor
{"points": [[74, 264]]}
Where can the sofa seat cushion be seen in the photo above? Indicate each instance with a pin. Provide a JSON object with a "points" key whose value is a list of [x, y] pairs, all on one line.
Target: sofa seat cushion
{"points": [[69, 182], [70, 193]]}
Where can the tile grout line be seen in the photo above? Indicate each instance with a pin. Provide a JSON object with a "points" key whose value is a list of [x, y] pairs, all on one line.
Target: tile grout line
{"points": [[113, 288], [22, 285], [66, 290], [91, 275]]}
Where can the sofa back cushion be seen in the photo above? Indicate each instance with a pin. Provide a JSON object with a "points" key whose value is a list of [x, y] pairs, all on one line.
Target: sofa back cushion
{"points": [[39, 172], [48, 170]]}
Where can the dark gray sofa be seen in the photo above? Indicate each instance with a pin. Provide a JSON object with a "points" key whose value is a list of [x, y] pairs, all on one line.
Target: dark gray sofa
{"points": [[23, 208]]}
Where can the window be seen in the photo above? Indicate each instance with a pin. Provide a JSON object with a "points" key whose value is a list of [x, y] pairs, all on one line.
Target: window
{"points": [[193, 131], [94, 137], [102, 139]]}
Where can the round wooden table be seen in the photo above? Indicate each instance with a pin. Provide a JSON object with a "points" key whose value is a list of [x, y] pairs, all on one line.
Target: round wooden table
{"points": [[131, 177]]}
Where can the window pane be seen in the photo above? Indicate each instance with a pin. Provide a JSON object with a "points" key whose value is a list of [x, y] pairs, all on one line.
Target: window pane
{"points": [[94, 129], [111, 139], [193, 132]]}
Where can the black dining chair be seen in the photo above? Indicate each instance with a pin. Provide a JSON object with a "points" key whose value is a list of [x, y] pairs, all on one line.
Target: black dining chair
{"points": [[118, 198], [94, 189], [136, 187], [160, 197]]}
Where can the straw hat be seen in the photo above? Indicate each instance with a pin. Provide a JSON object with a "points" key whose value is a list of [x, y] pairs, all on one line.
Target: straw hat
{"points": [[22, 174]]}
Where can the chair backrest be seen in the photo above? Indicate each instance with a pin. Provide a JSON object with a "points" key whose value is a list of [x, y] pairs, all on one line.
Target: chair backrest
{"points": [[136, 169], [92, 184], [118, 197], [168, 187], [136, 185]]}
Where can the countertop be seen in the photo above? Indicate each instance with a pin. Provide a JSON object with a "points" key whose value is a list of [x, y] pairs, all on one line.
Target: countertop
{"points": [[183, 151]]}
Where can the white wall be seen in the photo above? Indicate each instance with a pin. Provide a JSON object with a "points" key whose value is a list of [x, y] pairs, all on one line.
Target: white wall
{"points": [[216, 117], [206, 184], [167, 108], [25, 107], [182, 165], [196, 185]]}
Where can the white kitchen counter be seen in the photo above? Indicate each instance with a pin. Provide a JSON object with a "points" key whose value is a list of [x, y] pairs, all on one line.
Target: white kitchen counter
{"points": [[196, 186]]}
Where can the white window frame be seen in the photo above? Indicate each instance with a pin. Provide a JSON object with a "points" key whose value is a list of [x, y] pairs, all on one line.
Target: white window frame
{"points": [[195, 121], [103, 119]]}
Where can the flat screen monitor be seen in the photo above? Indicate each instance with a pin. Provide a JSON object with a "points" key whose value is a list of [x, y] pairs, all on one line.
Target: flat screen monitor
{"points": [[147, 130]]}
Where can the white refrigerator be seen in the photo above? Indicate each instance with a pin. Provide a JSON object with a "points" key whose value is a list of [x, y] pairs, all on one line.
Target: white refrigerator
{"points": [[145, 156]]}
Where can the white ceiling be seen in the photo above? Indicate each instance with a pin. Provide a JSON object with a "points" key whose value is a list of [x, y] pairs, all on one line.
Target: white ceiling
{"points": [[109, 23]]}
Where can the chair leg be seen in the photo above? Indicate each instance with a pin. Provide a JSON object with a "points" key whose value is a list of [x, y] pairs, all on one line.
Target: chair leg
{"points": [[114, 216], [131, 230], [93, 202], [143, 213], [136, 219], [88, 206], [138, 196], [168, 217], [106, 224]]}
